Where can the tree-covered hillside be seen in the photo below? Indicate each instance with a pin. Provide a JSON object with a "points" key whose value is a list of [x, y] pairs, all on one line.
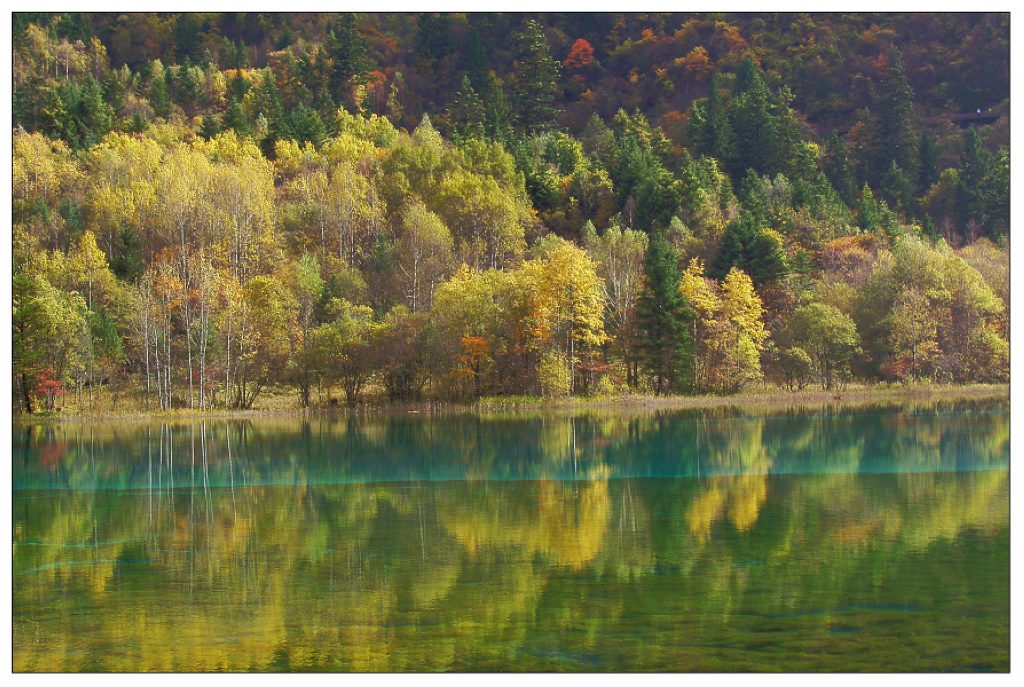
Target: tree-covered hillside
{"points": [[210, 207]]}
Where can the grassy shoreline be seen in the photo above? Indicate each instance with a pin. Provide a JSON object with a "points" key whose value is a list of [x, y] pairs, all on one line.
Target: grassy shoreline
{"points": [[766, 399]]}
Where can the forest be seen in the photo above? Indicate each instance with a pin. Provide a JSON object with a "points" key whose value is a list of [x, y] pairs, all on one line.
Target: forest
{"points": [[213, 210]]}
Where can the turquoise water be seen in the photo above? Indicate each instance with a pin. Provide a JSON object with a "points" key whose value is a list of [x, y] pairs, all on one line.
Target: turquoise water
{"points": [[874, 539]]}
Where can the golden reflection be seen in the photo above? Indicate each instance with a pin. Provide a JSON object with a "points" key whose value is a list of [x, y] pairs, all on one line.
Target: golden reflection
{"points": [[254, 565]]}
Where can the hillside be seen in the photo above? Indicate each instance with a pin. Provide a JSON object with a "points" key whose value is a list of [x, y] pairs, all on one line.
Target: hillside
{"points": [[212, 207]]}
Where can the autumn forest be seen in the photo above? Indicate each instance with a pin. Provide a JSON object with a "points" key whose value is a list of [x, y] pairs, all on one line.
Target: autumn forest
{"points": [[220, 210]]}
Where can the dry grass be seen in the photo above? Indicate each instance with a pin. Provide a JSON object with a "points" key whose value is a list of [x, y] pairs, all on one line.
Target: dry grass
{"points": [[284, 405]]}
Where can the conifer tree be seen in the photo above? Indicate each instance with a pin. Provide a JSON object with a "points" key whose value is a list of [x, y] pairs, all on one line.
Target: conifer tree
{"points": [[160, 97], [349, 55], [209, 127], [838, 170], [234, 118], [710, 128], [466, 112], [895, 136], [535, 79], [928, 160], [663, 316]]}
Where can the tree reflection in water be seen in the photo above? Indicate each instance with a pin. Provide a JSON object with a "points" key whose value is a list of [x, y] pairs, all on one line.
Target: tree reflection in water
{"points": [[466, 543]]}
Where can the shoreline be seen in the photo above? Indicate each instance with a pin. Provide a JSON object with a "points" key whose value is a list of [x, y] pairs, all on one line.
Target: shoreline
{"points": [[510, 405]]}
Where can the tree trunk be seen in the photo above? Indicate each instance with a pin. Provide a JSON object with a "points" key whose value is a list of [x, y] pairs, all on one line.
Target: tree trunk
{"points": [[26, 395]]}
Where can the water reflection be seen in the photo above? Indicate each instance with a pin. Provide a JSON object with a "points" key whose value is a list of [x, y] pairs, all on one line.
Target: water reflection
{"points": [[718, 442], [273, 546]]}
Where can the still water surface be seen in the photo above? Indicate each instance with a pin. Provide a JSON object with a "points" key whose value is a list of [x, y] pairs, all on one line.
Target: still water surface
{"points": [[846, 540]]}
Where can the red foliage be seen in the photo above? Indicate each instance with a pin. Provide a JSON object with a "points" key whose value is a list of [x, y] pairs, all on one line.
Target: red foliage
{"points": [[49, 386], [581, 55]]}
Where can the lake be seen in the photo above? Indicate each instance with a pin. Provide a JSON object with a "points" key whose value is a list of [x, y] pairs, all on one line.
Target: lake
{"points": [[867, 539]]}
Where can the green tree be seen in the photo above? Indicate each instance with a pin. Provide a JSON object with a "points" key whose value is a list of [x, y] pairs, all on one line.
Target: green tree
{"points": [[210, 126], [663, 318], [760, 253], [895, 131], [711, 129], [235, 119], [829, 337], [349, 57], [160, 96], [466, 112], [838, 170], [535, 79]]}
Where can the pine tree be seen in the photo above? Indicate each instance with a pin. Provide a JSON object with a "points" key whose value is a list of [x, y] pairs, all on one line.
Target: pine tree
{"points": [[753, 123], [875, 215], [128, 263], [974, 167], [305, 125], [137, 124], [710, 128], [758, 252], [838, 170], [186, 37], [234, 118], [497, 111], [476, 62], [160, 97], [535, 79], [349, 54], [929, 229], [94, 116], [895, 136], [268, 104], [433, 39], [928, 159], [210, 126], [664, 316], [466, 113], [238, 87], [56, 121]]}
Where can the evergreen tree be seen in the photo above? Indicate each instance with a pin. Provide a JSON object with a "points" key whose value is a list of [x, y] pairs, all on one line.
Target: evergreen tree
{"points": [[476, 61], [56, 121], [137, 124], [305, 125], [758, 252], [875, 215], [186, 37], [115, 88], [349, 55], [433, 39], [929, 229], [710, 129], [899, 189], [837, 168], [238, 87], [128, 263], [210, 126], [497, 111], [237, 55], [267, 100], [94, 116], [466, 113], [234, 118], [186, 86], [664, 316], [535, 79], [753, 123], [974, 167], [895, 136], [160, 97], [928, 160]]}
